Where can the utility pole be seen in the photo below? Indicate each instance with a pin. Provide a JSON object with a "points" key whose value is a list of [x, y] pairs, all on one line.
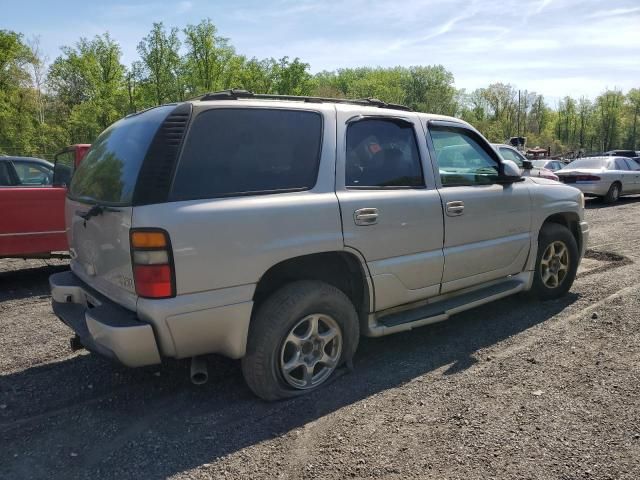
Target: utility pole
{"points": [[518, 117]]}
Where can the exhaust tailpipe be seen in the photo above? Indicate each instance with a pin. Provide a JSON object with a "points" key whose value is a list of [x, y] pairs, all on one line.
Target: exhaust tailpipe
{"points": [[199, 374]]}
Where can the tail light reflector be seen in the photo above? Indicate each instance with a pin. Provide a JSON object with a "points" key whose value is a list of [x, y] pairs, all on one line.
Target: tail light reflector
{"points": [[152, 261]]}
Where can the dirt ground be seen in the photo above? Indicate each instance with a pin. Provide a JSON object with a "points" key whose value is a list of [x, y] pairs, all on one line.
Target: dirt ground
{"points": [[515, 389]]}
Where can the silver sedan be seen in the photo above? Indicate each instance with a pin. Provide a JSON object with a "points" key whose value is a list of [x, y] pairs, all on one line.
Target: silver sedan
{"points": [[605, 177]]}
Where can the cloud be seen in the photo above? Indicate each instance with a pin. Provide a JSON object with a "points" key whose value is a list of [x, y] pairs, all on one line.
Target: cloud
{"points": [[542, 5], [615, 12]]}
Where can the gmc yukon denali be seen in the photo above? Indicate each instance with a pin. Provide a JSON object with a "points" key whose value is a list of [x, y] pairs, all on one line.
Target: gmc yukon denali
{"points": [[277, 230]]}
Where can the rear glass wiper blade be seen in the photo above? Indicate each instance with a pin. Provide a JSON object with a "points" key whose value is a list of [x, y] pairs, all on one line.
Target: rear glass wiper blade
{"points": [[96, 210]]}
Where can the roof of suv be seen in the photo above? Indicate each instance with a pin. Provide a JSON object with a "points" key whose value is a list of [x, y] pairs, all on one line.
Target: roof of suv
{"points": [[366, 105]]}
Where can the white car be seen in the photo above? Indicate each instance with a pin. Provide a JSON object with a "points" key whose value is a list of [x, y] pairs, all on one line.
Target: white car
{"points": [[553, 165], [510, 153], [606, 177]]}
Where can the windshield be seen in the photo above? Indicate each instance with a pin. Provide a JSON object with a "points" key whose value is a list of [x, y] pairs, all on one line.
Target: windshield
{"points": [[588, 163], [109, 172]]}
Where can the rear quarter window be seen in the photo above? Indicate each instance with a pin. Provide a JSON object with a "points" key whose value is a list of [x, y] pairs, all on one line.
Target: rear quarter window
{"points": [[239, 151], [109, 172]]}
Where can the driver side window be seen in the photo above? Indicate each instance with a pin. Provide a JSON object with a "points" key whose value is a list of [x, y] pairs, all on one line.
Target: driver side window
{"points": [[32, 174], [461, 159]]}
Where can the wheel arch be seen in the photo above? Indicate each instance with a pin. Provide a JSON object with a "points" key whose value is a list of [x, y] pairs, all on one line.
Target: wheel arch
{"points": [[570, 220], [342, 269]]}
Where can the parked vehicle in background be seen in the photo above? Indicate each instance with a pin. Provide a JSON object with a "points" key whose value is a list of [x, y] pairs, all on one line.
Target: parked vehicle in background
{"points": [[606, 177], [621, 153], [527, 168], [32, 195], [552, 165], [278, 229], [67, 160]]}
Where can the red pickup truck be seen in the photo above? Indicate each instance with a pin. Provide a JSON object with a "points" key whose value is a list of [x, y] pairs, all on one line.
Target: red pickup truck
{"points": [[32, 193]]}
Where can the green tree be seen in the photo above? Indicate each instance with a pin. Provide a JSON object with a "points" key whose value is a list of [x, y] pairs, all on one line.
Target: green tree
{"points": [[90, 81], [430, 89], [209, 60], [632, 103], [18, 100], [609, 110], [159, 52], [291, 77]]}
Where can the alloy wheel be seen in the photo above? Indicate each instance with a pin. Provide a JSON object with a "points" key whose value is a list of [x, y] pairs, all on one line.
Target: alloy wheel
{"points": [[554, 264], [311, 351]]}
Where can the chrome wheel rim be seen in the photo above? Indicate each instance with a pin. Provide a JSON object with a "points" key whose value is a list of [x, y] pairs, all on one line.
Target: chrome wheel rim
{"points": [[311, 351], [554, 264]]}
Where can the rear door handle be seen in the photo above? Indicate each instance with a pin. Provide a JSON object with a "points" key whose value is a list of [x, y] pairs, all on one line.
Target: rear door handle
{"points": [[455, 209], [365, 216]]}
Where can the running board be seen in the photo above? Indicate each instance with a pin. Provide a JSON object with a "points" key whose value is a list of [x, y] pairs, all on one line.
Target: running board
{"points": [[443, 309]]}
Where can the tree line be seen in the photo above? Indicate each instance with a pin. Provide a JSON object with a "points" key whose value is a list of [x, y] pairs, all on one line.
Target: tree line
{"points": [[47, 105]]}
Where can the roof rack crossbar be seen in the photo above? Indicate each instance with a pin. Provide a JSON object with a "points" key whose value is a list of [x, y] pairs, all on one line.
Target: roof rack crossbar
{"points": [[235, 94]]}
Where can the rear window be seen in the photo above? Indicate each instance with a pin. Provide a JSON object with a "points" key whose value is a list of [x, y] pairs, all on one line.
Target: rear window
{"points": [[589, 163], [109, 172], [238, 151]]}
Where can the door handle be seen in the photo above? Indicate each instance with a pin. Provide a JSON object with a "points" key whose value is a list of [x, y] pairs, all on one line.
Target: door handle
{"points": [[365, 216], [455, 209]]}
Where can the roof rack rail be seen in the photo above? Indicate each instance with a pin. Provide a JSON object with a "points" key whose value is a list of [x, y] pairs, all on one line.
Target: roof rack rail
{"points": [[235, 94]]}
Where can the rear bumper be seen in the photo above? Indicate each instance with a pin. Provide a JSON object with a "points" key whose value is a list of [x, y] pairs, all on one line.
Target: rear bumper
{"points": [[181, 327], [103, 326], [594, 189]]}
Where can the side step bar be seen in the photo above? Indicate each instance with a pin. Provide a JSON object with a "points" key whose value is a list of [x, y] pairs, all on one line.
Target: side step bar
{"points": [[443, 309]]}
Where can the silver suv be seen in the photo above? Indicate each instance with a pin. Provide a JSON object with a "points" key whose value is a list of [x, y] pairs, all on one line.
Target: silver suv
{"points": [[277, 230]]}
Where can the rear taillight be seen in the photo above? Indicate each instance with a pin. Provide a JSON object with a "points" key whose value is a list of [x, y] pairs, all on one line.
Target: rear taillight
{"points": [[152, 263], [544, 173], [587, 178]]}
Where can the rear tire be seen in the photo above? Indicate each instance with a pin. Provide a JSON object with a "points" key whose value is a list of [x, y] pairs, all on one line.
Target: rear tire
{"points": [[613, 194], [285, 356], [556, 262]]}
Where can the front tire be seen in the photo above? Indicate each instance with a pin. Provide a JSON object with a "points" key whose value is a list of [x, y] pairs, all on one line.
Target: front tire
{"points": [[297, 339], [556, 262]]}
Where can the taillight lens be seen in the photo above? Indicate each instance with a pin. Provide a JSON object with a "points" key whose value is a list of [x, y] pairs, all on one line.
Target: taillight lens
{"points": [[544, 173], [587, 178], [152, 261]]}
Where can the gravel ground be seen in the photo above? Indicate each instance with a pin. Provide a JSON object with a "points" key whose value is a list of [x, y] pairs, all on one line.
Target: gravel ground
{"points": [[515, 389]]}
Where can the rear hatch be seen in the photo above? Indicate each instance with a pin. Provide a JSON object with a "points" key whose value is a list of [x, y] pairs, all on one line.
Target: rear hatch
{"points": [[100, 204]]}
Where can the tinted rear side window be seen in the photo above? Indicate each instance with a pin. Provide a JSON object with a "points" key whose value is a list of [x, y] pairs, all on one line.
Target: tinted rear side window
{"points": [[382, 153], [240, 151], [109, 172]]}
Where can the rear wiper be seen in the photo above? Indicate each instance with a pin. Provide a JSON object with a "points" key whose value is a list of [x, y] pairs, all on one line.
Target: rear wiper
{"points": [[96, 210]]}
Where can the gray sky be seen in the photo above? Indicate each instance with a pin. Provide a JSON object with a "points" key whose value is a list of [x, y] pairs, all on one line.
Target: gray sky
{"points": [[554, 47]]}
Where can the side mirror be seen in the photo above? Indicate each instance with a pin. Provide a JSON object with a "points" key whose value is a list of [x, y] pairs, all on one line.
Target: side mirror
{"points": [[63, 168], [510, 173], [61, 175], [527, 165]]}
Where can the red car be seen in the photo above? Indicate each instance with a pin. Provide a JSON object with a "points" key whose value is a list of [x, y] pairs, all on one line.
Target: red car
{"points": [[32, 193]]}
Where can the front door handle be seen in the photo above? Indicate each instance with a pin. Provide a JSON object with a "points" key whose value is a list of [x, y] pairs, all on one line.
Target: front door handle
{"points": [[365, 216], [455, 209]]}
